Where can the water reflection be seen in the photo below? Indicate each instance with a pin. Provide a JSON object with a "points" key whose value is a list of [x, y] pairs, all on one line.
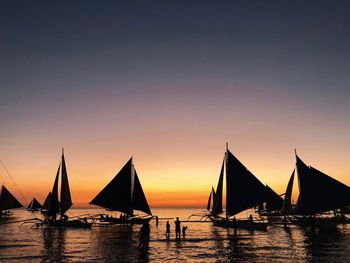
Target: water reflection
{"points": [[118, 243], [54, 244]]}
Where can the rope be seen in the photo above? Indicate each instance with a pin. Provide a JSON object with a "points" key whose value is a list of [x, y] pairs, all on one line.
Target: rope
{"points": [[13, 181]]}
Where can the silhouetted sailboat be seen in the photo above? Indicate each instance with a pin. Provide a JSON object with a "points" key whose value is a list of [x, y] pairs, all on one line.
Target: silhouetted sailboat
{"points": [[45, 208], [124, 194], [318, 193], [243, 191], [34, 205], [7, 201], [211, 200], [56, 206]]}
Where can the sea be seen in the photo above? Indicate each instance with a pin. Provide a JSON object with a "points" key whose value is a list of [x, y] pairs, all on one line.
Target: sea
{"points": [[203, 242]]}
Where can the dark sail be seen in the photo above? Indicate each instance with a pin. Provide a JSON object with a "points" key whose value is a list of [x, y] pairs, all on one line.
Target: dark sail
{"points": [[34, 204], [66, 201], [209, 201], [243, 189], [54, 203], [117, 194], [139, 201], [274, 202], [7, 200], [47, 202], [217, 209], [318, 191], [287, 203]]}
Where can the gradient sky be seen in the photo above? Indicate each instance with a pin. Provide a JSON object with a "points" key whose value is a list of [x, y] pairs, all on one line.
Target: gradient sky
{"points": [[170, 82]]}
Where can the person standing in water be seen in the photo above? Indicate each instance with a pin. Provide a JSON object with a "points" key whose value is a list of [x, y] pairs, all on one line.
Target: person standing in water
{"points": [[167, 229], [144, 237], [177, 228]]}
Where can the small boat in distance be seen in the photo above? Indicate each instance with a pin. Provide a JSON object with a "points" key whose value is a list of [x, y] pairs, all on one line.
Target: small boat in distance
{"points": [[243, 191], [34, 205], [56, 206], [7, 201], [124, 193]]}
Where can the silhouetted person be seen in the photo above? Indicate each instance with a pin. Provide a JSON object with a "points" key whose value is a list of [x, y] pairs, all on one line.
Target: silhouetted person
{"points": [[312, 223], [144, 237], [250, 218], [177, 228], [157, 220], [184, 228], [167, 229], [235, 225], [285, 222]]}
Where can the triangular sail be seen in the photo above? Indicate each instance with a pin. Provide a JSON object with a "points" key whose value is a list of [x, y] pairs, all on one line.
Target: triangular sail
{"points": [[287, 203], [117, 194], [47, 202], [209, 201], [66, 200], [139, 201], [274, 202], [54, 203], [318, 191], [243, 189], [7, 200], [217, 209], [34, 204], [213, 198]]}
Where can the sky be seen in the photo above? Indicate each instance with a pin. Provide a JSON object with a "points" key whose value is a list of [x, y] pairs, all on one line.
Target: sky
{"points": [[169, 83]]}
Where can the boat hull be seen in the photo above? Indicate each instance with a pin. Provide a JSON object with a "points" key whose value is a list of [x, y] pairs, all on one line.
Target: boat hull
{"points": [[319, 222], [241, 224], [69, 223], [127, 221]]}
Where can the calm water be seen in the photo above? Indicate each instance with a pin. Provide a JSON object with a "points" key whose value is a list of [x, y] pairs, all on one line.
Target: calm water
{"points": [[203, 243]]}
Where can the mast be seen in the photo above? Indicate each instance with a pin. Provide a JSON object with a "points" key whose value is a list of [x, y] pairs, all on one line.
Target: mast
{"points": [[132, 178], [226, 168]]}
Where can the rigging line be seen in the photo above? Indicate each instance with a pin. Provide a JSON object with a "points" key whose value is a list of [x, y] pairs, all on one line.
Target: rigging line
{"points": [[13, 181]]}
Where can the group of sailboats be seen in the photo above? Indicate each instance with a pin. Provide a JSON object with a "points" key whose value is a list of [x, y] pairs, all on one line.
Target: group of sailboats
{"points": [[318, 193], [124, 194]]}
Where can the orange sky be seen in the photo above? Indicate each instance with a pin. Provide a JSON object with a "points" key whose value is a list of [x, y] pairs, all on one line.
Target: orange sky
{"points": [[171, 175]]}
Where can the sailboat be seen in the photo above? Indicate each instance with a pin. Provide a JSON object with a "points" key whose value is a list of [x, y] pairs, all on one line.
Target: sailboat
{"points": [[318, 193], [124, 193], [211, 200], [56, 206], [243, 191], [34, 205], [7, 201], [45, 208]]}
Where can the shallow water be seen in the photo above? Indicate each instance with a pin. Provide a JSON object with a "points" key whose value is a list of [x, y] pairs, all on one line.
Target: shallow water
{"points": [[203, 243]]}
